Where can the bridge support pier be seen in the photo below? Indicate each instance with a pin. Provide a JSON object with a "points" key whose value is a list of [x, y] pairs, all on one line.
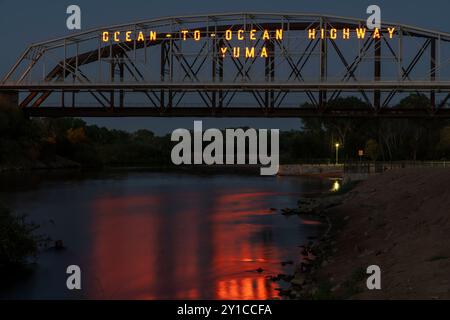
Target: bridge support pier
{"points": [[377, 73], [433, 71]]}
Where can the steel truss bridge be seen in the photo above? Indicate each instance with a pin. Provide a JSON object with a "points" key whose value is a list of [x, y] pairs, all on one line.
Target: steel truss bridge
{"points": [[85, 76]]}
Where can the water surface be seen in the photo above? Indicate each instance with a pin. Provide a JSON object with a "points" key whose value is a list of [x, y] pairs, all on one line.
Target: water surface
{"points": [[144, 235]]}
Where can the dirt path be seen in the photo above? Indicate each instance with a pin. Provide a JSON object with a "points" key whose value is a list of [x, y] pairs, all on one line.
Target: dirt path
{"points": [[399, 221]]}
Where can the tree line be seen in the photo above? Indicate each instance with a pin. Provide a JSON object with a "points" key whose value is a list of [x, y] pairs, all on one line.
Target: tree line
{"points": [[27, 141]]}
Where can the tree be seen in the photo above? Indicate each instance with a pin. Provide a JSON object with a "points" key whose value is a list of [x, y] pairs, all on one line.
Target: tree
{"points": [[372, 149], [76, 136], [143, 136], [443, 146]]}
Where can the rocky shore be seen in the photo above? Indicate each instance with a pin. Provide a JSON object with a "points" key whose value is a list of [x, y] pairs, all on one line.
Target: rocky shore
{"points": [[399, 220]]}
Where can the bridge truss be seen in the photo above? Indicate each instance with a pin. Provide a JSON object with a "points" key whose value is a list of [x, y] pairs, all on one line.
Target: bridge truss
{"points": [[180, 73]]}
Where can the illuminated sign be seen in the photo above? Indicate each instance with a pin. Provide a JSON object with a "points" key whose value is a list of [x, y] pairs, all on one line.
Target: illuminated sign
{"points": [[246, 37]]}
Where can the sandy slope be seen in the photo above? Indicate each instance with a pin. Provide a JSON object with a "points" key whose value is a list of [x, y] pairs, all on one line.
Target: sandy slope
{"points": [[400, 221]]}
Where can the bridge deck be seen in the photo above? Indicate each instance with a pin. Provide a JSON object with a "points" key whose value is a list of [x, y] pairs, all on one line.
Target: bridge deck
{"points": [[241, 112]]}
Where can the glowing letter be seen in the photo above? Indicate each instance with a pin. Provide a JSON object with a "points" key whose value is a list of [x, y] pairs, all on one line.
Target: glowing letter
{"points": [[250, 53], [266, 35], [391, 32], [253, 34], [279, 34], [333, 34], [128, 36], [184, 33], [223, 51], [311, 34], [376, 33], [197, 35], [228, 35], [140, 36], [105, 36], [236, 52], [264, 53], [116, 36], [241, 35], [152, 36], [361, 33], [346, 33]]}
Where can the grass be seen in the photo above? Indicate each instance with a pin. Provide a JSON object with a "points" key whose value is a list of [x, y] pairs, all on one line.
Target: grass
{"points": [[437, 258], [352, 286]]}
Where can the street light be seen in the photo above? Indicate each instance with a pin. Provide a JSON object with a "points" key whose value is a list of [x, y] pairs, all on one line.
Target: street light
{"points": [[337, 145]]}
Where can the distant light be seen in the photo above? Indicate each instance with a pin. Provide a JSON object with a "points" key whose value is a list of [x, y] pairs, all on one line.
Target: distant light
{"points": [[168, 35], [336, 186], [337, 145]]}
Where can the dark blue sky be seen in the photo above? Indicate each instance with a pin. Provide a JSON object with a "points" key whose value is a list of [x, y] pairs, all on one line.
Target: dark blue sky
{"points": [[24, 22]]}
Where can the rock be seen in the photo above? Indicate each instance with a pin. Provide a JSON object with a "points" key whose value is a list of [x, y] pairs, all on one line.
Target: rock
{"points": [[285, 293], [298, 280], [336, 287], [318, 205], [285, 263], [305, 267], [278, 277], [288, 212]]}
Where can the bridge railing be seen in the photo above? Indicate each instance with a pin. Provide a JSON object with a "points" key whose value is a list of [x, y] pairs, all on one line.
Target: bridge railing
{"points": [[381, 166]]}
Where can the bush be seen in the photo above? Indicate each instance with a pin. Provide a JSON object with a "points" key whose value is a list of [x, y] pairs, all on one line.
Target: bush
{"points": [[17, 241]]}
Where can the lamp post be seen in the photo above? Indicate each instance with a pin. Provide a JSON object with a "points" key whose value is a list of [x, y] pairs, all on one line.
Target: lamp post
{"points": [[337, 145]]}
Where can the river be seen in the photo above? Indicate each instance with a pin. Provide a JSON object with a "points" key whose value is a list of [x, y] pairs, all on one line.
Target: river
{"points": [[159, 235]]}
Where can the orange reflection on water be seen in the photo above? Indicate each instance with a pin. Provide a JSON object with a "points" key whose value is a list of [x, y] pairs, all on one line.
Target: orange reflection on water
{"points": [[124, 241], [159, 247], [250, 288], [240, 246]]}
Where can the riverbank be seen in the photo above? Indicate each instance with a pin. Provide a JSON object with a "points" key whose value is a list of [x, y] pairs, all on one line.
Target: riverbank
{"points": [[311, 170], [399, 221]]}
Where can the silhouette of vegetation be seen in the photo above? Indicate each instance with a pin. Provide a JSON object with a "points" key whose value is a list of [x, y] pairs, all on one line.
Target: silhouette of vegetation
{"points": [[380, 138], [17, 239], [41, 143]]}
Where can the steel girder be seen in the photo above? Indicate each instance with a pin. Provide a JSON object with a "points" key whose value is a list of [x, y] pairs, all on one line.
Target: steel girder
{"points": [[170, 73]]}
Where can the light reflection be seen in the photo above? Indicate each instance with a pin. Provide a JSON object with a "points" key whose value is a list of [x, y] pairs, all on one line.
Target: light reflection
{"points": [[336, 186], [147, 247]]}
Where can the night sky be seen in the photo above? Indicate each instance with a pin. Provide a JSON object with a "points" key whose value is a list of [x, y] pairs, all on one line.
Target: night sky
{"points": [[25, 22]]}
